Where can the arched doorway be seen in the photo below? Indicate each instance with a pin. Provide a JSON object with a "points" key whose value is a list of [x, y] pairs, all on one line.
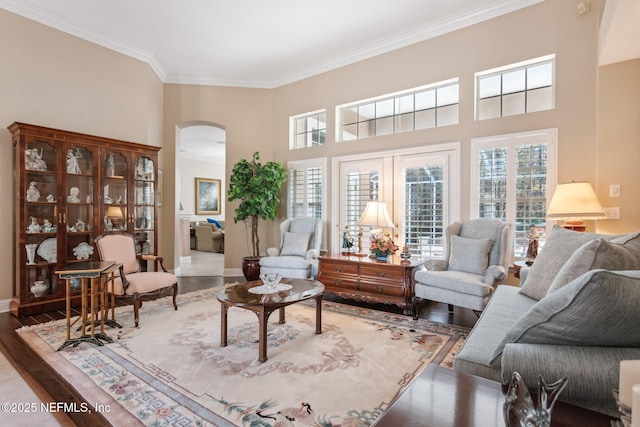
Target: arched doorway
{"points": [[200, 158]]}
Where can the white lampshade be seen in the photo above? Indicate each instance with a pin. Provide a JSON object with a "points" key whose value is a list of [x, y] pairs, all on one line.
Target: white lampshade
{"points": [[114, 212], [376, 215], [575, 201]]}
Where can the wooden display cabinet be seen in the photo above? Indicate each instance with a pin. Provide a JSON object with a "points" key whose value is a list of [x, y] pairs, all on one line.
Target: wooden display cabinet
{"points": [[68, 188]]}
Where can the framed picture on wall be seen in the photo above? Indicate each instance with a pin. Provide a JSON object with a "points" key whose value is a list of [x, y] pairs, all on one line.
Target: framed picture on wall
{"points": [[207, 196]]}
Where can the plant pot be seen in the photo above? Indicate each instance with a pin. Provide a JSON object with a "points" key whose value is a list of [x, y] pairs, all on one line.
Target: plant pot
{"points": [[382, 257], [251, 268]]}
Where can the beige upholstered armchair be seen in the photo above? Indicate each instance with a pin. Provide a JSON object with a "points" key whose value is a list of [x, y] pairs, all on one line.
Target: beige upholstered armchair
{"points": [[209, 238], [297, 256], [131, 282], [476, 260]]}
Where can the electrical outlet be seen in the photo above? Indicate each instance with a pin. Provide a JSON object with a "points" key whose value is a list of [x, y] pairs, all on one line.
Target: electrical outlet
{"points": [[614, 190], [612, 213]]}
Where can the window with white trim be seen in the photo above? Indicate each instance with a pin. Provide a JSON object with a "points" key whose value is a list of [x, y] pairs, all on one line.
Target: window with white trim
{"points": [[512, 179], [308, 130], [425, 107], [306, 188], [519, 88]]}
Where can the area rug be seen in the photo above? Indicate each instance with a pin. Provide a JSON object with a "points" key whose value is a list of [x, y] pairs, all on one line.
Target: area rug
{"points": [[172, 371]]}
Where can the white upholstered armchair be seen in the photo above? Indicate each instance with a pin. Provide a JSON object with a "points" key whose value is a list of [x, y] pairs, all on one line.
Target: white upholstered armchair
{"points": [[297, 256], [476, 260]]}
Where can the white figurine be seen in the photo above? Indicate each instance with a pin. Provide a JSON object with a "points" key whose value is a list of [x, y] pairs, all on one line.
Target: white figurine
{"points": [[110, 165], [33, 195], [72, 161], [33, 160], [34, 227], [47, 227], [74, 194]]}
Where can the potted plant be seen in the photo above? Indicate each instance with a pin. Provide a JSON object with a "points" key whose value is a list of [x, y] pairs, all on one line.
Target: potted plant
{"points": [[257, 186]]}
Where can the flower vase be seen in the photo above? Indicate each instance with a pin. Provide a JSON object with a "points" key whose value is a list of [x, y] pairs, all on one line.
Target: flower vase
{"points": [[31, 252], [382, 257]]}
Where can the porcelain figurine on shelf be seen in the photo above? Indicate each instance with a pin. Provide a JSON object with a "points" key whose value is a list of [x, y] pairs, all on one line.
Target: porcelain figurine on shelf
{"points": [[74, 195], [33, 194], [72, 161], [34, 227], [47, 227], [33, 160]]}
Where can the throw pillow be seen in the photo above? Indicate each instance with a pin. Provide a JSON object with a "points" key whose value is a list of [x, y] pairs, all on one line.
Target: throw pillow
{"points": [[621, 253], [598, 308], [214, 221], [557, 249], [295, 244], [469, 255]]}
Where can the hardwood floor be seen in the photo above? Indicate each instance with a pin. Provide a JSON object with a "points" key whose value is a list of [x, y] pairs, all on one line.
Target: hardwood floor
{"points": [[55, 389]]}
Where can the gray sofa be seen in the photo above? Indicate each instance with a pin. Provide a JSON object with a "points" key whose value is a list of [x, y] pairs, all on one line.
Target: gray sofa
{"points": [[575, 314]]}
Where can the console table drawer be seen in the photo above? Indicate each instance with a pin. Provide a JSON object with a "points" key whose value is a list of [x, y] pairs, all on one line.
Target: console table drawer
{"points": [[337, 282], [382, 288], [332, 268], [377, 273]]}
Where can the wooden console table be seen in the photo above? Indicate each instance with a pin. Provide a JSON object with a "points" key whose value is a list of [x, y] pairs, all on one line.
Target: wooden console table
{"points": [[368, 280], [442, 397]]}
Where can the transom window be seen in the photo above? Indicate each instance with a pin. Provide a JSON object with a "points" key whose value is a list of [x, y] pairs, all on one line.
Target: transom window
{"points": [[419, 108], [515, 89], [308, 130]]}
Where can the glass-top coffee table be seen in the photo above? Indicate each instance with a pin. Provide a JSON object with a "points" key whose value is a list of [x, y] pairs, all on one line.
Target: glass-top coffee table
{"points": [[263, 304]]}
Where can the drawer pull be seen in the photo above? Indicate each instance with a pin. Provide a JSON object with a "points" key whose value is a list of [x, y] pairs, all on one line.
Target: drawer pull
{"points": [[379, 288], [381, 273], [337, 281], [338, 269]]}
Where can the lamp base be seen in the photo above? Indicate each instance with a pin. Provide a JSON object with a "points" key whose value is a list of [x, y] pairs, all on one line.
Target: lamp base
{"points": [[575, 225]]}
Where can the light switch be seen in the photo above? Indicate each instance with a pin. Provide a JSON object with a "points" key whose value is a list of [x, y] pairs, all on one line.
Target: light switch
{"points": [[614, 190], [612, 213]]}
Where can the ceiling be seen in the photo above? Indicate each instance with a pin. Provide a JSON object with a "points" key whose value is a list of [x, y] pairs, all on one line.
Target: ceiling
{"points": [[256, 43], [266, 44]]}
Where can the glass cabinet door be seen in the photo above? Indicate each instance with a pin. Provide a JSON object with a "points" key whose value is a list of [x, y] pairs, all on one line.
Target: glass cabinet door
{"points": [[80, 196], [144, 204], [114, 191], [41, 219]]}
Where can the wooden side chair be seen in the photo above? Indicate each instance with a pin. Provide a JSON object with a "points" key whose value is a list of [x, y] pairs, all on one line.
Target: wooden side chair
{"points": [[131, 282]]}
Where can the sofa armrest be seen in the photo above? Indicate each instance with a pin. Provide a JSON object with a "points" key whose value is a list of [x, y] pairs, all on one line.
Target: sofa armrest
{"points": [[593, 371], [494, 274]]}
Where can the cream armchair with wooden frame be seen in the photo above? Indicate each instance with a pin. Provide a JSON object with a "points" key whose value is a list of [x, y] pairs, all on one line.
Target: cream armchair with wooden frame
{"points": [[131, 282]]}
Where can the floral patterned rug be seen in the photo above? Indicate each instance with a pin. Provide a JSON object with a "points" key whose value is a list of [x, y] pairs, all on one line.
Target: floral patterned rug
{"points": [[172, 371]]}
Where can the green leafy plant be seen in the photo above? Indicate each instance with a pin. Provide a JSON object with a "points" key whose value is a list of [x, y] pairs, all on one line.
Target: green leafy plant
{"points": [[257, 186]]}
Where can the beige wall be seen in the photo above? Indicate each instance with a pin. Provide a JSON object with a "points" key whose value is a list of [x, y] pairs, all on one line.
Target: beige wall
{"points": [[49, 78], [53, 79], [618, 150], [246, 115], [550, 27]]}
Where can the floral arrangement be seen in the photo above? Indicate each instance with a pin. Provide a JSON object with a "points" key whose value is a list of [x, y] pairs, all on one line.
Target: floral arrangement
{"points": [[382, 245]]}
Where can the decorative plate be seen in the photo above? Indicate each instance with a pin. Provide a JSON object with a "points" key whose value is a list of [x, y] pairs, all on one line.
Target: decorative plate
{"points": [[264, 290], [48, 250]]}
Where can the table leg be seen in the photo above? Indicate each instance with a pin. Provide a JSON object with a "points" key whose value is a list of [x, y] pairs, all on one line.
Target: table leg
{"points": [[319, 314], [83, 309], [281, 319], [68, 307], [263, 315], [223, 325]]}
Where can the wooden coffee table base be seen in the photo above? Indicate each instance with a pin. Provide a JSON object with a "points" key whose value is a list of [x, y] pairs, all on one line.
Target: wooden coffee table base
{"points": [[308, 290], [442, 397]]}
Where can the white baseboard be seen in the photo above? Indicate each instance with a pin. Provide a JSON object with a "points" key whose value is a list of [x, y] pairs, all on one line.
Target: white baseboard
{"points": [[5, 305], [231, 272]]}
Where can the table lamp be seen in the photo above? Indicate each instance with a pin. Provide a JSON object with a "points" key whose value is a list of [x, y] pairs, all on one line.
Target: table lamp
{"points": [[114, 213], [574, 202], [376, 216]]}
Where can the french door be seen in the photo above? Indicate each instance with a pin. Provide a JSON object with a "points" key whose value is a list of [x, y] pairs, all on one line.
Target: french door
{"points": [[420, 188]]}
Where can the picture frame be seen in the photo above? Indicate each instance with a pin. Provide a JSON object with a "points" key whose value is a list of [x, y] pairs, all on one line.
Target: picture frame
{"points": [[207, 196]]}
